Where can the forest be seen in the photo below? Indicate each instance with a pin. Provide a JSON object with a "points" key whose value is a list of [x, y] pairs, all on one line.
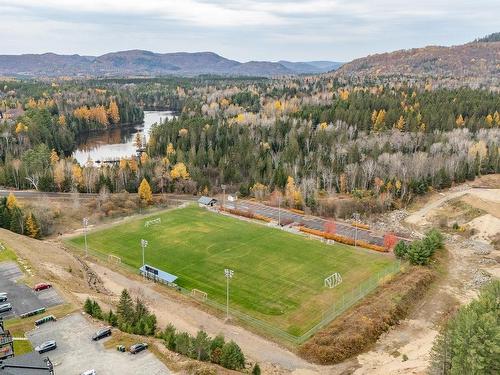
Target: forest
{"points": [[309, 139]]}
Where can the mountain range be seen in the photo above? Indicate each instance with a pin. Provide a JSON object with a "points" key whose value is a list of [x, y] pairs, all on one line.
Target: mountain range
{"points": [[478, 60], [145, 63]]}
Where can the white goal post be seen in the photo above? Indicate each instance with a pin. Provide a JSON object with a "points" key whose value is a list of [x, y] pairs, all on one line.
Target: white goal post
{"points": [[152, 222], [198, 294], [333, 280], [114, 259]]}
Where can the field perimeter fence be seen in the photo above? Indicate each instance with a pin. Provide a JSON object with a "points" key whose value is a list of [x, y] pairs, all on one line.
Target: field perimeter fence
{"points": [[342, 303]]}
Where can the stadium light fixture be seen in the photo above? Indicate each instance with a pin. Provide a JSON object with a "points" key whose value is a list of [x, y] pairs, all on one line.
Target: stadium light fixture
{"points": [[144, 244], [228, 273], [85, 224]]}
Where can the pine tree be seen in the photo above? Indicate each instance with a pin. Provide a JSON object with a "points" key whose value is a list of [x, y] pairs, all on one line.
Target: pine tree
{"points": [[88, 305], [256, 369], [125, 309], [201, 346]]}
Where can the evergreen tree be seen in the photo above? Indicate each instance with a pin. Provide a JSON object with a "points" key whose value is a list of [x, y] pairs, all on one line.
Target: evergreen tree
{"points": [[125, 309], [232, 356], [256, 369], [201, 346]]}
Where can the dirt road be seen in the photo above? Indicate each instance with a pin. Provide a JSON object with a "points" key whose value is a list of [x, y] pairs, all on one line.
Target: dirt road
{"points": [[405, 349]]}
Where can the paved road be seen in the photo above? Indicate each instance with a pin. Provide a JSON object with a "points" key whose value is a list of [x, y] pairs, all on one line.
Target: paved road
{"points": [[59, 195], [313, 222]]}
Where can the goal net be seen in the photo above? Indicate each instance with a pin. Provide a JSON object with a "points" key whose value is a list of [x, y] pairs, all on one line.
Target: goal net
{"points": [[152, 222], [333, 280], [198, 294], [114, 259]]}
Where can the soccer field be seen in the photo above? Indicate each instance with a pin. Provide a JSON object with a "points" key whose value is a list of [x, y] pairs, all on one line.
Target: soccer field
{"points": [[278, 276]]}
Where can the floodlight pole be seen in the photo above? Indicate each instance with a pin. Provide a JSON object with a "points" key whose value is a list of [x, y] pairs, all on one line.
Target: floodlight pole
{"points": [[144, 244], [85, 223], [229, 275]]}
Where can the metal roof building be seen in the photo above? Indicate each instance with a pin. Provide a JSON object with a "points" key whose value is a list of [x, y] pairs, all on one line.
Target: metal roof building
{"points": [[207, 201], [157, 275]]}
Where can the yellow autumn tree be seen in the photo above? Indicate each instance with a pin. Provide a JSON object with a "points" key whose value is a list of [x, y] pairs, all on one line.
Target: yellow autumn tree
{"points": [[344, 94], [113, 112], [145, 193], [11, 201], [489, 120], [292, 194], [32, 228], [54, 158], [138, 141], [77, 175], [61, 121], [179, 171], [460, 121], [400, 124], [170, 149], [496, 117], [144, 157]]}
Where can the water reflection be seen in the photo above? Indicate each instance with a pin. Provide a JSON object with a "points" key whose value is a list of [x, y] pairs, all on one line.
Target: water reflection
{"points": [[116, 143]]}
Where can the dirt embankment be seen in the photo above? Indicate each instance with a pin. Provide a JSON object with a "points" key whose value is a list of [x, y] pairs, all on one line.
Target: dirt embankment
{"points": [[354, 331]]}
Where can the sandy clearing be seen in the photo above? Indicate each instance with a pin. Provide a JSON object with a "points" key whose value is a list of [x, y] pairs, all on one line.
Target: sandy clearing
{"points": [[485, 226]]}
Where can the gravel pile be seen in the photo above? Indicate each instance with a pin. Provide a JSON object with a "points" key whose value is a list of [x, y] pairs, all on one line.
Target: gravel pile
{"points": [[479, 278]]}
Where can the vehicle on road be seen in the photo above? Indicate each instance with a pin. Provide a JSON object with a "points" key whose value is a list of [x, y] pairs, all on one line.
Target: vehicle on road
{"points": [[3, 297], [46, 346], [41, 286], [5, 307], [102, 333], [89, 372], [134, 349]]}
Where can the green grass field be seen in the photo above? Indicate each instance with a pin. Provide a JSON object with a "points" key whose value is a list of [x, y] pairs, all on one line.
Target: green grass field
{"points": [[278, 276]]}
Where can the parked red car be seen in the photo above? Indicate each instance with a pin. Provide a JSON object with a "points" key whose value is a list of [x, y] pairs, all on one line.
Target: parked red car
{"points": [[41, 286]]}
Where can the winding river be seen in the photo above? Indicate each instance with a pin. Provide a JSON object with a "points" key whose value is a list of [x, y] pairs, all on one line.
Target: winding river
{"points": [[116, 143]]}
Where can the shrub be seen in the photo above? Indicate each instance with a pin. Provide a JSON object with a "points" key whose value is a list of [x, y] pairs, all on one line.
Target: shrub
{"points": [[401, 249], [419, 253], [256, 369]]}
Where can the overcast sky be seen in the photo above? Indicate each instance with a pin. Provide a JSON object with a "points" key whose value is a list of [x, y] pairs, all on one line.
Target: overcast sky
{"points": [[338, 30]]}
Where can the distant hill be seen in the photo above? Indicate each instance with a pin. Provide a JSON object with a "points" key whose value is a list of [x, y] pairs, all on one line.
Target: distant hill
{"points": [[479, 61], [495, 37], [138, 62], [311, 67]]}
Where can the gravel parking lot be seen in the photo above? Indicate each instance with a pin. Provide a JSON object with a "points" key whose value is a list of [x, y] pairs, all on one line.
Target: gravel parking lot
{"points": [[23, 298], [76, 352]]}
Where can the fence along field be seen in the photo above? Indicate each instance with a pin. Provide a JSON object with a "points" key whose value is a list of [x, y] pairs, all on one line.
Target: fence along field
{"points": [[278, 278]]}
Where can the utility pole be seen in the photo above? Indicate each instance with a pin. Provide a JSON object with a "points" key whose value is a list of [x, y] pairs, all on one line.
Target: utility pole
{"points": [[223, 195], [279, 210], [356, 218], [229, 275], [85, 224], [144, 244]]}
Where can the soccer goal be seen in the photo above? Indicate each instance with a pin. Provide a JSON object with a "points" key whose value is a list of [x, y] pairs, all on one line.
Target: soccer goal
{"points": [[152, 222], [333, 280], [198, 294], [114, 259]]}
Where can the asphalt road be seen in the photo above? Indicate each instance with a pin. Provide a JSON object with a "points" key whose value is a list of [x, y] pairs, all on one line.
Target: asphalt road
{"points": [[58, 195], [313, 222]]}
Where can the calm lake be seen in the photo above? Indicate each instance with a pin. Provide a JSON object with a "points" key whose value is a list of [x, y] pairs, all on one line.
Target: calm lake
{"points": [[116, 143]]}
